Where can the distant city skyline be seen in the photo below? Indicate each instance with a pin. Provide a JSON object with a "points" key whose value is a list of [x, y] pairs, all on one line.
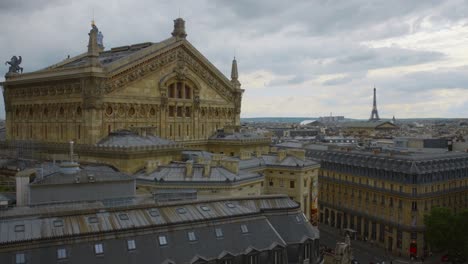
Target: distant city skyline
{"points": [[306, 59]]}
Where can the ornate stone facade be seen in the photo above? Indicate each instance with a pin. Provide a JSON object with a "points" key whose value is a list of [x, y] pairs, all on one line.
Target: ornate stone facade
{"points": [[167, 86]]}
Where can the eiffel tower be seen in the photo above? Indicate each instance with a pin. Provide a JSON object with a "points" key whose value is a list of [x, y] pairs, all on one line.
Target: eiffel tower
{"points": [[374, 113]]}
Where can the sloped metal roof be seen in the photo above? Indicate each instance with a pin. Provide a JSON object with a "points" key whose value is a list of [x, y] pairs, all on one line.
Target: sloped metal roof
{"points": [[64, 222]]}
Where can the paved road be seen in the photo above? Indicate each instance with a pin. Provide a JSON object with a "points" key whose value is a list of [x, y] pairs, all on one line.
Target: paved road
{"points": [[363, 252]]}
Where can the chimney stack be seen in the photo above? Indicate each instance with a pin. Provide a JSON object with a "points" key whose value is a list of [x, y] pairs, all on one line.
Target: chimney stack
{"points": [[206, 169], [189, 168], [71, 150], [23, 178]]}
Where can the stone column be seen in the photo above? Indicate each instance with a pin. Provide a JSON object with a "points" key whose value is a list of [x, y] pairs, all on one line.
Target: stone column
{"points": [[395, 238], [406, 241], [163, 127], [420, 243], [92, 125]]}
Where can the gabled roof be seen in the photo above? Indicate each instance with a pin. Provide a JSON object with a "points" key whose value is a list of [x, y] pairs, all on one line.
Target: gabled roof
{"points": [[127, 59]]}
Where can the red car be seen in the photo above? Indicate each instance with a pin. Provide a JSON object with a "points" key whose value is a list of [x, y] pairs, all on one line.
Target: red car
{"points": [[444, 258]]}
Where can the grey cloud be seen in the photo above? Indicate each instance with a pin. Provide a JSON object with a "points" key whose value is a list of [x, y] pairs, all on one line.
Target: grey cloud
{"points": [[303, 39], [26, 6], [443, 78], [331, 17], [337, 81]]}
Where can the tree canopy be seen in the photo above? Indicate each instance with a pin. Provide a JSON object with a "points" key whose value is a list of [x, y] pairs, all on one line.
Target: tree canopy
{"points": [[447, 231]]}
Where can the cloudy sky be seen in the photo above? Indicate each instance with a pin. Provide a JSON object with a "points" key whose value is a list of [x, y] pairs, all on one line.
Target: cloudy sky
{"points": [[296, 58]]}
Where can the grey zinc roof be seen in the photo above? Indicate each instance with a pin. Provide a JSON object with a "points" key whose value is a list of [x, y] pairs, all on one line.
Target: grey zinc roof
{"points": [[272, 160], [176, 173], [129, 139], [294, 231], [413, 163], [74, 222], [116, 54], [289, 161], [236, 136], [290, 144], [101, 173]]}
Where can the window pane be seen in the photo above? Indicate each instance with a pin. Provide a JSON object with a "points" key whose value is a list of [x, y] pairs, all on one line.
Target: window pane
{"points": [[61, 253], [162, 240], [20, 258], [131, 244], [191, 236], [244, 229], [219, 232], [98, 249]]}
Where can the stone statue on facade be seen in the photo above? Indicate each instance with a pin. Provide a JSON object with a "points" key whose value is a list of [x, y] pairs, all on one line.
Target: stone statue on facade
{"points": [[14, 64], [100, 40]]}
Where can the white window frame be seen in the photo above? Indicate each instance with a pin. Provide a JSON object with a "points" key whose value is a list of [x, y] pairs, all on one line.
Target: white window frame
{"points": [[162, 239], [131, 245], [244, 229], [191, 236], [62, 253], [98, 249], [20, 258], [219, 232]]}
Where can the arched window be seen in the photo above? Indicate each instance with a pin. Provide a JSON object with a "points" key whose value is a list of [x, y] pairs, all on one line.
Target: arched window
{"points": [[180, 90], [188, 92], [172, 90]]}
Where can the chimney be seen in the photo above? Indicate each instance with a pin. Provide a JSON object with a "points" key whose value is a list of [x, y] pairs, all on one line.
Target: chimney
{"points": [[189, 168], [71, 150], [281, 155], [23, 178], [207, 169]]}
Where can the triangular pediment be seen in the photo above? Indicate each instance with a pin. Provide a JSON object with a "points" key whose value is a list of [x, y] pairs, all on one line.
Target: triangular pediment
{"points": [[180, 55]]}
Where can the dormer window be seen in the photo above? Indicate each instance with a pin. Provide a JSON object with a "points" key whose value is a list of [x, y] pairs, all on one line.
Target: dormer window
{"points": [[244, 229], [162, 240], [20, 258]]}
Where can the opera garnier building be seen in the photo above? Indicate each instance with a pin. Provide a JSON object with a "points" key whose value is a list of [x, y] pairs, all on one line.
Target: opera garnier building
{"points": [[165, 89]]}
